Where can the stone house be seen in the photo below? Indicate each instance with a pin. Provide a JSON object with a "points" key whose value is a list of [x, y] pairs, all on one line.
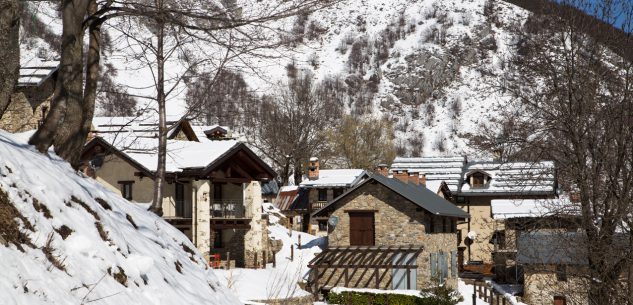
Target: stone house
{"points": [[514, 217], [554, 266], [387, 234], [473, 185], [32, 98], [320, 187], [213, 190]]}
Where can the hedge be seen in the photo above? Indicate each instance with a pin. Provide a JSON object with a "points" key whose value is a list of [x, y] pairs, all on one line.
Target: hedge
{"points": [[365, 298]]}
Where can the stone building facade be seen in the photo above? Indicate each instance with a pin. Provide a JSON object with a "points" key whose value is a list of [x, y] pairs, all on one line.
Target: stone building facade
{"points": [[212, 191], [397, 222], [20, 115]]}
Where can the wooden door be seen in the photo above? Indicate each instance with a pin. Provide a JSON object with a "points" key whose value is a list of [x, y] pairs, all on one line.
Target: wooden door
{"points": [[361, 229], [559, 300]]}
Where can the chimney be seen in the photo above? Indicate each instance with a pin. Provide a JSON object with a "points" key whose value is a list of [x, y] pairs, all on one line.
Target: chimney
{"points": [[414, 178], [382, 169], [401, 175], [423, 180], [574, 196], [313, 169]]}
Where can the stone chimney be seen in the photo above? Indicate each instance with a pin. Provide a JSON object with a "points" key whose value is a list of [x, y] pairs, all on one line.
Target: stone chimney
{"points": [[313, 169], [414, 178], [402, 175], [383, 169], [423, 180]]}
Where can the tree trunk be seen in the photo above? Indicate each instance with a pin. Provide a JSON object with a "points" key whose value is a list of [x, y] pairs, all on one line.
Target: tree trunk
{"points": [[159, 177], [71, 144], [65, 117], [9, 50]]}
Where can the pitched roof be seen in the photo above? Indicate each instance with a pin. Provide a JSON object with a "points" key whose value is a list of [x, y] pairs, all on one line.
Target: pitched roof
{"points": [[536, 178], [556, 248], [512, 178], [517, 208], [195, 157], [335, 178], [415, 194], [36, 75], [436, 169]]}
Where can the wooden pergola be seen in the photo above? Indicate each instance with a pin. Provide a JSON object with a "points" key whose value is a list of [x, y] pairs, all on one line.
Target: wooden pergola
{"points": [[368, 260]]}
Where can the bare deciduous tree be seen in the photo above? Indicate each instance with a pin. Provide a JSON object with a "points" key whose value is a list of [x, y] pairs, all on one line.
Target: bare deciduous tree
{"points": [[290, 126], [573, 90], [9, 50], [363, 143]]}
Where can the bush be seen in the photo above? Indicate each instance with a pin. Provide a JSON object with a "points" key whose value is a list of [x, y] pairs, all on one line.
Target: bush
{"points": [[364, 298]]}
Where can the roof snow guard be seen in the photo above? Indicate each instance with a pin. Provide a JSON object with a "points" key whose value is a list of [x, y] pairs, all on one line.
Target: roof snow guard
{"points": [[335, 178], [436, 169], [512, 178], [416, 194]]}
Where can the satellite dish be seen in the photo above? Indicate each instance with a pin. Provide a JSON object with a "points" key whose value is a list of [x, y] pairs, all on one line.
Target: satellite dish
{"points": [[472, 235], [332, 221]]}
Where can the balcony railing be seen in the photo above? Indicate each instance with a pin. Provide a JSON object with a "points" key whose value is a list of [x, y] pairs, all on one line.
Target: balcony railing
{"points": [[228, 208], [318, 205]]}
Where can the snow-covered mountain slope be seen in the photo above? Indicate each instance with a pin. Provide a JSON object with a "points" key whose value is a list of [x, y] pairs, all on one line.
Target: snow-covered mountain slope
{"points": [[68, 240], [431, 66]]}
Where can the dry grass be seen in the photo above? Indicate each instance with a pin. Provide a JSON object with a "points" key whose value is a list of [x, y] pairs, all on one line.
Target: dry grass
{"points": [[119, 275], [50, 255], [64, 231], [85, 206], [10, 227], [102, 231], [131, 220], [178, 266], [41, 208], [104, 204]]}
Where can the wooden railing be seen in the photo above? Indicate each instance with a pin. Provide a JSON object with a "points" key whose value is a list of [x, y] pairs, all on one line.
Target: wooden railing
{"points": [[488, 294], [318, 205], [228, 208]]}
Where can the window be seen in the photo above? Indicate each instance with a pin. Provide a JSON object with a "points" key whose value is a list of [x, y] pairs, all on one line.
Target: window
{"points": [[560, 300], [338, 192], [217, 191], [478, 180], [361, 229], [322, 225], [180, 199], [561, 273], [126, 189], [217, 239], [322, 195]]}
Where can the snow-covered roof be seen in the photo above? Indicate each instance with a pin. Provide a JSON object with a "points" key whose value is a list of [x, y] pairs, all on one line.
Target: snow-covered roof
{"points": [[335, 178], [515, 208], [180, 154], [35, 75], [146, 125], [512, 178], [436, 169]]}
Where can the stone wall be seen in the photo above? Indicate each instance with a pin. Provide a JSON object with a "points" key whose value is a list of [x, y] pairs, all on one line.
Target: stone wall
{"points": [[398, 222], [541, 285], [20, 116]]}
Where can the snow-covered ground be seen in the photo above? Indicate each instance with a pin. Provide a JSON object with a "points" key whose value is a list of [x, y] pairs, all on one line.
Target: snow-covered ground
{"points": [[281, 282], [88, 244]]}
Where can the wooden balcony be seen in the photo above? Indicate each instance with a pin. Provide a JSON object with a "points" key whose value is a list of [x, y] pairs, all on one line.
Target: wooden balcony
{"points": [[229, 214], [315, 206]]}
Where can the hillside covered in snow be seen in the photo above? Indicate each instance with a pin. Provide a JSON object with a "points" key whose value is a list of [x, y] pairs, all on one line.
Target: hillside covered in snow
{"points": [[65, 239]]}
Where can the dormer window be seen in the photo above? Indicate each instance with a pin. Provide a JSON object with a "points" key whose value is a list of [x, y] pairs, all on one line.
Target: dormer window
{"points": [[478, 179]]}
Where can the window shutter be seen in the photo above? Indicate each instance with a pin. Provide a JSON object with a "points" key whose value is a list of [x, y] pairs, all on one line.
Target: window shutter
{"points": [[434, 274], [453, 263], [443, 267]]}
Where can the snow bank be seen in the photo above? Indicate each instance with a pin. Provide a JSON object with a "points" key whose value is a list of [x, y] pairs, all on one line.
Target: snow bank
{"points": [[89, 245]]}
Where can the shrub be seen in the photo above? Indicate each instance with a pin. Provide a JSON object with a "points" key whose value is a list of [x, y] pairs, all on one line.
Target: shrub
{"points": [[363, 298]]}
